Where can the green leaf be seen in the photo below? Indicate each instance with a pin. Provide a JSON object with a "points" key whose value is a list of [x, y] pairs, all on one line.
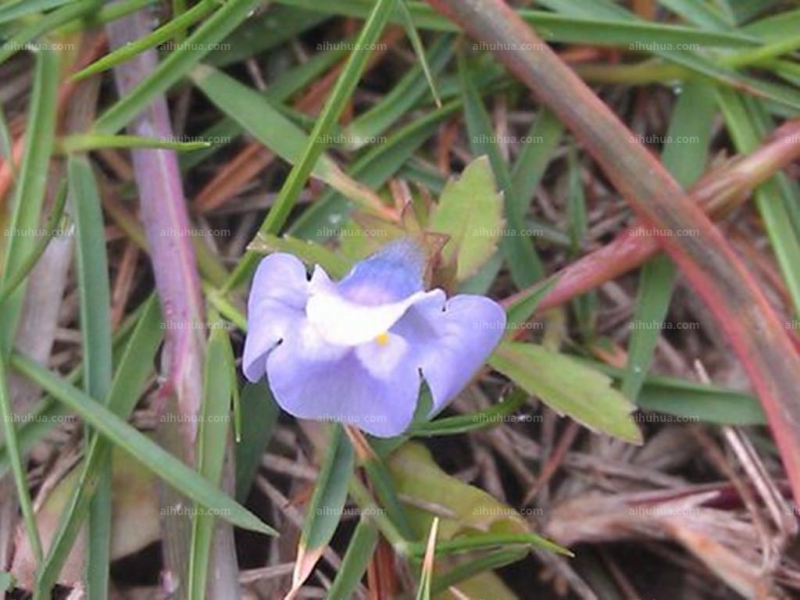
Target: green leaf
{"points": [[470, 519], [470, 211], [568, 387], [169, 468]]}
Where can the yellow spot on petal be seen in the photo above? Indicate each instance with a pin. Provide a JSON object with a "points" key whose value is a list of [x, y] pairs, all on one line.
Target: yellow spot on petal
{"points": [[382, 338]]}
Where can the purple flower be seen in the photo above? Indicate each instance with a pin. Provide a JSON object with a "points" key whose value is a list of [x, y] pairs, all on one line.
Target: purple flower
{"points": [[355, 351]]}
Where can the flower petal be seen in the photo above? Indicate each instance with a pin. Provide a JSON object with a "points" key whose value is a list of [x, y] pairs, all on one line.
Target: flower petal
{"points": [[392, 274], [450, 345], [340, 321], [276, 305], [312, 379]]}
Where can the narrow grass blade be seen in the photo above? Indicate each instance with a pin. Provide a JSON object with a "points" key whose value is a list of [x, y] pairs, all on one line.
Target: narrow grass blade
{"points": [[176, 66], [23, 8], [135, 367], [259, 417], [268, 125], [470, 568], [85, 143], [684, 156], [523, 261], [178, 25], [95, 302], [15, 458], [330, 114], [326, 507], [404, 97], [212, 437], [360, 551], [419, 50], [55, 225], [746, 122], [162, 463], [373, 169], [424, 589], [543, 140], [490, 540], [24, 38], [558, 28], [495, 415], [30, 189]]}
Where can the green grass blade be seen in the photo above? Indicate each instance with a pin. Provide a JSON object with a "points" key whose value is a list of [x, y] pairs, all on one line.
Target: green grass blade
{"points": [[55, 224], [30, 189], [523, 261], [373, 169], [701, 13], [327, 119], [15, 458], [273, 27], [746, 123], [212, 436], [691, 119], [419, 50], [544, 138], [49, 22], [327, 504], [135, 367], [85, 143], [176, 66], [95, 318], [260, 415], [166, 466], [616, 30], [403, 98], [5, 139], [359, 553], [470, 568], [23, 8], [177, 25]]}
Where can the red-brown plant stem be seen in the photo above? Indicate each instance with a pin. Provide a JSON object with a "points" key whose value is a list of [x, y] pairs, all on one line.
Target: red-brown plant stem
{"points": [[718, 192], [165, 220], [706, 260]]}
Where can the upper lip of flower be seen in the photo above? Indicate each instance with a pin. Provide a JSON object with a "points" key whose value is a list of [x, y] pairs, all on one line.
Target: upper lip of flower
{"points": [[345, 323]]}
